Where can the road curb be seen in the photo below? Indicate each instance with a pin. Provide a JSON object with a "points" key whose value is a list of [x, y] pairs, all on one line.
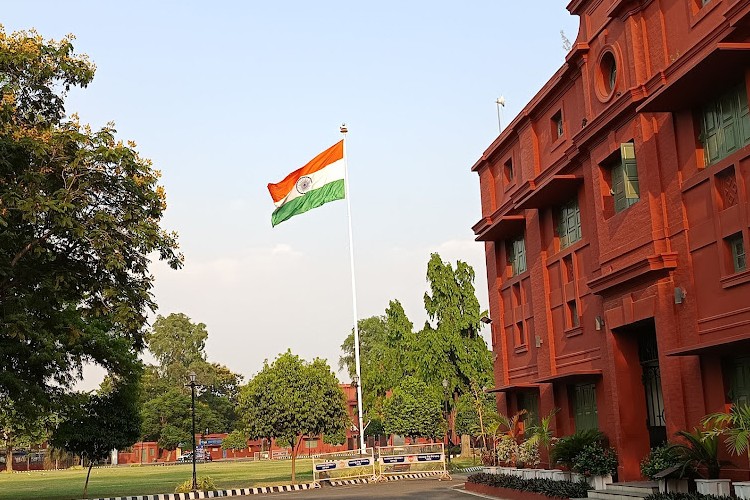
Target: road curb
{"points": [[260, 490]]}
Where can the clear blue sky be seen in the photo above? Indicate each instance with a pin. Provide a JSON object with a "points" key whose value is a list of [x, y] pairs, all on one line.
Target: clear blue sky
{"points": [[225, 97]]}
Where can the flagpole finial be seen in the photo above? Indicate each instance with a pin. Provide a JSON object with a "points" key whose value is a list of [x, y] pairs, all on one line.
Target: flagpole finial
{"points": [[343, 128]]}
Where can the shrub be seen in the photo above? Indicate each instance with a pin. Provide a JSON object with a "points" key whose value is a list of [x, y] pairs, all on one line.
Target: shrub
{"points": [[567, 448], [204, 484], [547, 487], [594, 460], [659, 458], [528, 453], [684, 496], [507, 451]]}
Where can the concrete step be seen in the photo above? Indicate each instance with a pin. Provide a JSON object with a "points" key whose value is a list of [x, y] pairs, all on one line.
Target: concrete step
{"points": [[613, 495], [625, 491], [636, 488]]}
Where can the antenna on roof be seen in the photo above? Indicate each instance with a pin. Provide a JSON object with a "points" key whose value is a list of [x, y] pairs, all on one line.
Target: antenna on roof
{"points": [[500, 104]]}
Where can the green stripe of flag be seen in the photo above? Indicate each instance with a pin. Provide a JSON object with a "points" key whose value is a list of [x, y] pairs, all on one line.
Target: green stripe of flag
{"points": [[312, 199]]}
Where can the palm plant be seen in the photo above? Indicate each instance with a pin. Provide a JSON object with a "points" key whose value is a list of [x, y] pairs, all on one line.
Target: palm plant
{"points": [[735, 425], [701, 450], [542, 433], [513, 426]]}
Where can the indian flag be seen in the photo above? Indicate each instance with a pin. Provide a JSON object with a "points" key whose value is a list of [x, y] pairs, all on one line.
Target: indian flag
{"points": [[318, 182]]}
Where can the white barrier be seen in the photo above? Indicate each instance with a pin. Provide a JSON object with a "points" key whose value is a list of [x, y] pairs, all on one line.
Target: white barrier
{"points": [[412, 459], [343, 465]]}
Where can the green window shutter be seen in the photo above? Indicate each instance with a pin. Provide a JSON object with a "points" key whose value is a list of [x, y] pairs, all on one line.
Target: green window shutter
{"points": [[517, 255], [569, 224], [744, 115], [725, 124], [711, 133], [740, 388], [728, 108], [586, 415], [630, 173], [618, 187], [520, 253], [738, 253]]}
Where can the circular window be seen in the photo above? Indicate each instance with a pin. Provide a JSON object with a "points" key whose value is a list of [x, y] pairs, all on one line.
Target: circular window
{"points": [[607, 77]]}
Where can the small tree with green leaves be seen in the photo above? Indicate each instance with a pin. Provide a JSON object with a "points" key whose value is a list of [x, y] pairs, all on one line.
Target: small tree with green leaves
{"points": [[290, 399], [92, 425], [235, 440]]}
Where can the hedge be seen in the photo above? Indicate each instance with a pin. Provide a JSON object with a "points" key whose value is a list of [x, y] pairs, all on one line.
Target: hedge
{"points": [[546, 487]]}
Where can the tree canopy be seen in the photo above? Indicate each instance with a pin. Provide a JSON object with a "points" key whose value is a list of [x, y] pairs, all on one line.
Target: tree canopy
{"points": [[179, 345], [414, 410], [290, 399], [385, 342], [448, 348], [92, 425], [451, 348], [80, 217]]}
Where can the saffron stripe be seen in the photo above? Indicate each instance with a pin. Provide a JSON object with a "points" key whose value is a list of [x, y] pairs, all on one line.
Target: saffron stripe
{"points": [[281, 189], [312, 199]]}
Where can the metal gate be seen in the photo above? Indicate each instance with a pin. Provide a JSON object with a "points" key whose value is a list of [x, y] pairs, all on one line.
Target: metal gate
{"points": [[344, 465], [412, 459], [648, 355]]}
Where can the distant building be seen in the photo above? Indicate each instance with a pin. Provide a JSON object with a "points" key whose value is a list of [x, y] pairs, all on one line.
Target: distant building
{"points": [[149, 452], [616, 221]]}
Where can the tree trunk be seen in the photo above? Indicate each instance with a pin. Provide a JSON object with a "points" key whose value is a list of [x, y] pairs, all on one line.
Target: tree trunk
{"points": [[465, 445], [9, 457], [86, 486], [295, 450]]}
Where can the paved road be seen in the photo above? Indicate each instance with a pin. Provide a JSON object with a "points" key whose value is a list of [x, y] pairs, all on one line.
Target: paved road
{"points": [[404, 489]]}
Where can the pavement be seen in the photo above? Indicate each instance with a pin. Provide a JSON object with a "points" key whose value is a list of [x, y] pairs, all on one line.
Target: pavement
{"points": [[409, 485], [407, 489]]}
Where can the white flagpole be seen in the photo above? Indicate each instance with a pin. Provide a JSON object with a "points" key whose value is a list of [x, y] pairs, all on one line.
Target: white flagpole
{"points": [[344, 130]]}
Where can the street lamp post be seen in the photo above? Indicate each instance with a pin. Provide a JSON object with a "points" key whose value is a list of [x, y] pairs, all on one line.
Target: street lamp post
{"points": [[192, 401]]}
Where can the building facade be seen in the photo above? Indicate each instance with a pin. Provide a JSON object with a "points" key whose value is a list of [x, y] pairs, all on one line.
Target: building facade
{"points": [[615, 219]]}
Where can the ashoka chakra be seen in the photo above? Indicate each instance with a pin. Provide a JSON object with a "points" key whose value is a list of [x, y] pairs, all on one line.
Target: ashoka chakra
{"points": [[304, 184]]}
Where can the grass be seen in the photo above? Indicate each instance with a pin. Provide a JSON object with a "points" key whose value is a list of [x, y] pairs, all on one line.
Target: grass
{"points": [[146, 480]]}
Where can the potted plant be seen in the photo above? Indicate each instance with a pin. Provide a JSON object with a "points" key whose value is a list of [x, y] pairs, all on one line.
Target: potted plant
{"points": [[735, 425], [663, 465], [597, 464], [542, 436], [701, 451], [567, 448]]}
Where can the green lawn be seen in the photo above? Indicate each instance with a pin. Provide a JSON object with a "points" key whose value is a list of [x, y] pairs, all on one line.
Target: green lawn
{"points": [[124, 480]]}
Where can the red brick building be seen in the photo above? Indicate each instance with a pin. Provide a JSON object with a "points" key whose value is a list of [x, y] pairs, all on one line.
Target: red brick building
{"points": [[615, 219]]}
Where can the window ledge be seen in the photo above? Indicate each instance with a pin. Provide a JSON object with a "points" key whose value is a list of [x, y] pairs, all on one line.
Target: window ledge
{"points": [[735, 279], [557, 143], [702, 12], [521, 348], [514, 279], [574, 332]]}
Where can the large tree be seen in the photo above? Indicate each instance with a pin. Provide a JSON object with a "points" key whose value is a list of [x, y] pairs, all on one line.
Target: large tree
{"points": [[92, 425], [167, 419], [80, 218], [386, 345], [179, 346], [290, 399], [414, 409], [449, 350]]}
